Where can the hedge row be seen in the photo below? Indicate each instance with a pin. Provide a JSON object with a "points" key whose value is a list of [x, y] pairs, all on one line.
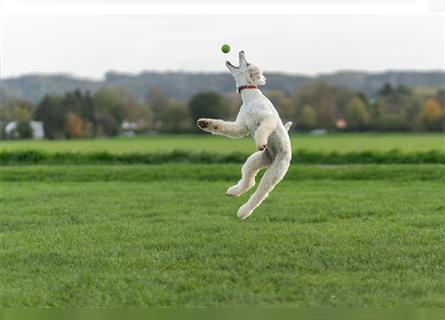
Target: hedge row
{"points": [[216, 172], [301, 156]]}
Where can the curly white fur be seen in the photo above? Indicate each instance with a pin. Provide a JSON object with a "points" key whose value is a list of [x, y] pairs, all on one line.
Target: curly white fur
{"points": [[257, 117]]}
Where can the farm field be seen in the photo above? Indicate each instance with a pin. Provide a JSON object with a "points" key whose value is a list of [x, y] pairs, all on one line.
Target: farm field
{"points": [[166, 235], [216, 144]]}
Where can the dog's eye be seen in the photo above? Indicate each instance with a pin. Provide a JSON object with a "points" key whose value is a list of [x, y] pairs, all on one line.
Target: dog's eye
{"points": [[248, 64]]}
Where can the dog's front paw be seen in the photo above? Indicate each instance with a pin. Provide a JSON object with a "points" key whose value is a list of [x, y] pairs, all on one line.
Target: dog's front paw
{"points": [[203, 123], [206, 124]]}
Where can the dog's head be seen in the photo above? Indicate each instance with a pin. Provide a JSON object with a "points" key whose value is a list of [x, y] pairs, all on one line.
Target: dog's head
{"points": [[246, 73]]}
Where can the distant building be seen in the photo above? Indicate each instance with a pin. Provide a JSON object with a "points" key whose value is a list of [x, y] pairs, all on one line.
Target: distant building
{"points": [[127, 125], [36, 128], [128, 128]]}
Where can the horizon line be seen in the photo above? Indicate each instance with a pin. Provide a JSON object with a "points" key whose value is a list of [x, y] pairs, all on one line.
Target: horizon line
{"points": [[129, 73]]}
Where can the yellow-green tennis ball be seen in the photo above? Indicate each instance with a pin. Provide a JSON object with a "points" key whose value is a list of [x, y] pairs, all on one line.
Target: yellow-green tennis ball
{"points": [[225, 48]]}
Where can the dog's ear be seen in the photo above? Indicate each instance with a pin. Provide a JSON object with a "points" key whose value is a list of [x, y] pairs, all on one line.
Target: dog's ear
{"points": [[256, 75]]}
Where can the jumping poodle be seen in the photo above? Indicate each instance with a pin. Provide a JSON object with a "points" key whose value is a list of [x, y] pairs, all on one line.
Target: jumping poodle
{"points": [[257, 117]]}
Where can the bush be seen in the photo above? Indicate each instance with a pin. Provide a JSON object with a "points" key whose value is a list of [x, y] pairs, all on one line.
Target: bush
{"points": [[24, 130]]}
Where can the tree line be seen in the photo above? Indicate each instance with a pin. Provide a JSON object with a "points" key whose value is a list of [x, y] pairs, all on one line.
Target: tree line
{"points": [[82, 114]]}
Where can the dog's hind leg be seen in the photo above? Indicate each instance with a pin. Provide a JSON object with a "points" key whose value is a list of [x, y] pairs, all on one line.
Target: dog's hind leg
{"points": [[273, 175], [249, 171]]}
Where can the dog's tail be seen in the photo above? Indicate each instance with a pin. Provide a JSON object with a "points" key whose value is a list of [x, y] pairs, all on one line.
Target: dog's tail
{"points": [[287, 125]]}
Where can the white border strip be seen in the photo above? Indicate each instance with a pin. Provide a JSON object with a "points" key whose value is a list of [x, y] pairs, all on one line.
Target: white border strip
{"points": [[35, 8]]}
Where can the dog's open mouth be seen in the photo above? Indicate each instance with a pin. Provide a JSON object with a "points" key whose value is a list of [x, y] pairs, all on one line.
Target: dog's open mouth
{"points": [[228, 63]]}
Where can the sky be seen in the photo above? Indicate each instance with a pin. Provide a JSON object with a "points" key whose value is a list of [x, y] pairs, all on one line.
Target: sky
{"points": [[90, 45]]}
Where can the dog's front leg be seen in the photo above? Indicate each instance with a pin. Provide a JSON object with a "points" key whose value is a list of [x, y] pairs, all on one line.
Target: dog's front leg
{"points": [[263, 132], [225, 128]]}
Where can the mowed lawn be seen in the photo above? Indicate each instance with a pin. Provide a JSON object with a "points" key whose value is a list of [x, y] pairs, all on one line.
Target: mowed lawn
{"points": [[74, 236], [210, 143]]}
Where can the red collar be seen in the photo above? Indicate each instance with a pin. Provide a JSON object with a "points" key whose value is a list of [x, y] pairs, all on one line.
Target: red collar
{"points": [[246, 87]]}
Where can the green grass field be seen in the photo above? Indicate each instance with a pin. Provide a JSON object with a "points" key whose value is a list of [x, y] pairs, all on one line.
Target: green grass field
{"points": [[213, 144], [87, 235], [90, 236]]}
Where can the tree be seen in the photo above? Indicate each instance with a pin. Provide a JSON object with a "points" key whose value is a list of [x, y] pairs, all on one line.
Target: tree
{"points": [[440, 97], [283, 104], [232, 103], [75, 127], [17, 110], [157, 101], [107, 101], [357, 115], [433, 115], [386, 90], [106, 125], [109, 112], [24, 130], [141, 114], [175, 117], [322, 96], [83, 106], [308, 118], [206, 105], [397, 109], [51, 113]]}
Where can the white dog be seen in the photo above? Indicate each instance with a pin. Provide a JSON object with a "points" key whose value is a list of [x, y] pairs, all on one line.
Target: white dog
{"points": [[258, 118]]}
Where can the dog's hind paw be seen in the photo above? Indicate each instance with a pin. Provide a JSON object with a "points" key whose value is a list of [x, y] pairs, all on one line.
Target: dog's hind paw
{"points": [[233, 191], [240, 188], [244, 212]]}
